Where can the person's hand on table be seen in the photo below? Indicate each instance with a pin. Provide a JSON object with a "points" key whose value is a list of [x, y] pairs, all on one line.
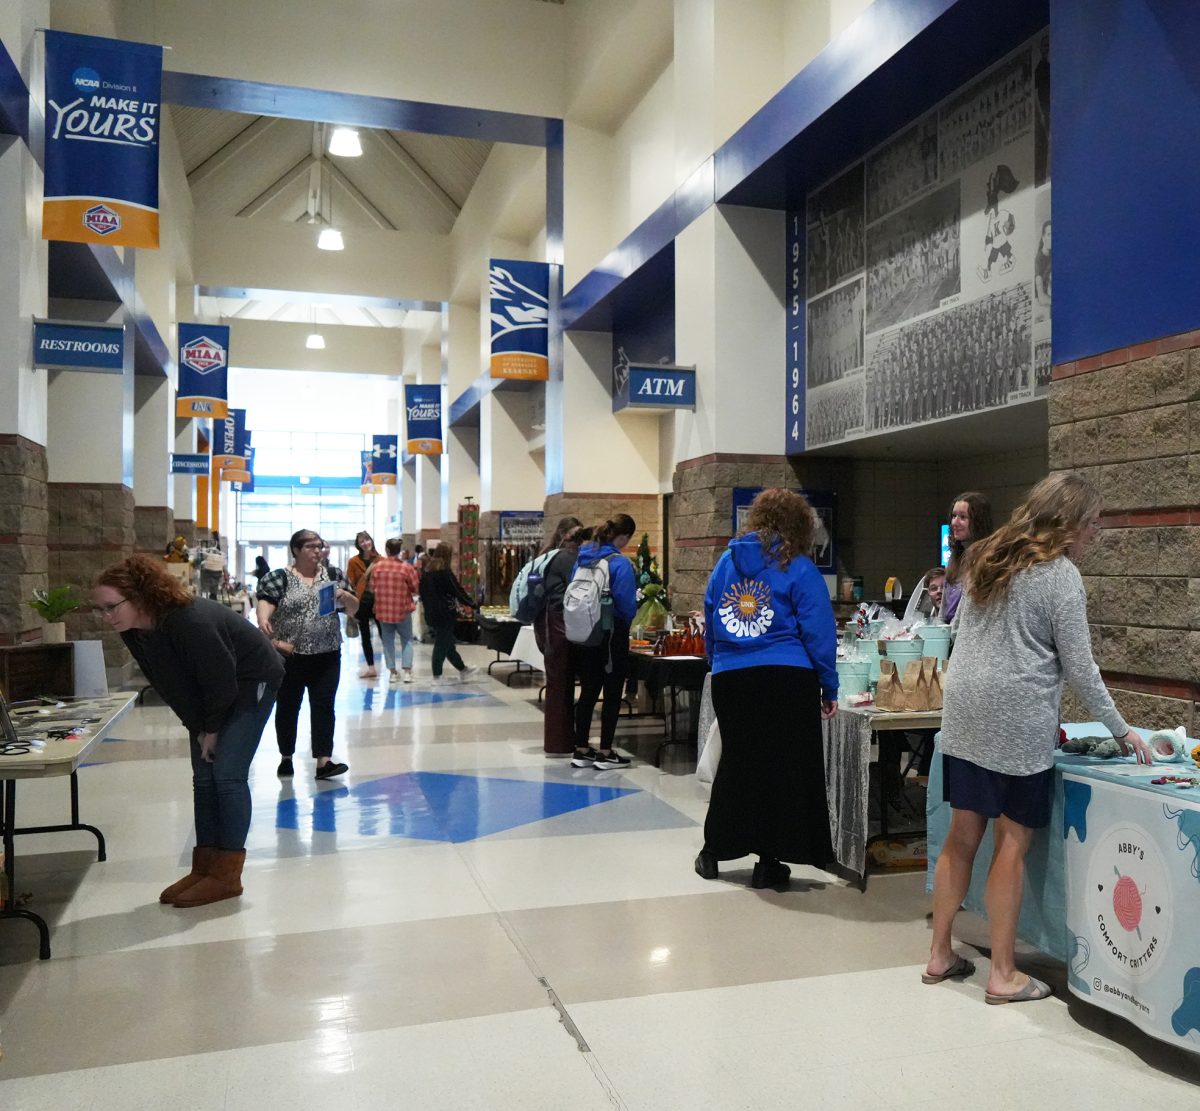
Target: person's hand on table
{"points": [[1133, 741], [828, 709], [208, 747]]}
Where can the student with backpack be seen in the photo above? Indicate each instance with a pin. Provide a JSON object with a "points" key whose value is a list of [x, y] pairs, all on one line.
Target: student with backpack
{"points": [[598, 608], [563, 549]]}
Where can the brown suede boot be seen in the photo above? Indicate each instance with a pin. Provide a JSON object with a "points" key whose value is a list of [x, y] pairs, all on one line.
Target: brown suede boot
{"points": [[201, 859], [223, 881]]}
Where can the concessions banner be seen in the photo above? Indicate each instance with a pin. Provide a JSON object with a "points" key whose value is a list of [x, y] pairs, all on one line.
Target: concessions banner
{"points": [[368, 473], [101, 165], [203, 371], [423, 409], [190, 464], [385, 456], [231, 447], [520, 311]]}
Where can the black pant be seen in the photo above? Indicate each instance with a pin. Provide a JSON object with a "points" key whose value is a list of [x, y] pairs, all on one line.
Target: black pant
{"points": [[603, 668], [319, 675], [364, 617], [443, 649]]}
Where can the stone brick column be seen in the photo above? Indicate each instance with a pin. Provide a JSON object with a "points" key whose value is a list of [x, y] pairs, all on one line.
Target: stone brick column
{"points": [[594, 509], [154, 528], [23, 527], [1130, 420], [91, 526]]}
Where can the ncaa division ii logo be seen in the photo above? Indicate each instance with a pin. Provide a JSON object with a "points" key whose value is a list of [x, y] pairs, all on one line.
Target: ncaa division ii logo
{"points": [[745, 609]]}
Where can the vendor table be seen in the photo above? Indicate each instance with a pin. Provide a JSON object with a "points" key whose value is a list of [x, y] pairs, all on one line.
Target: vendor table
{"points": [[850, 738], [500, 635], [61, 756], [525, 649], [1112, 887], [674, 673]]}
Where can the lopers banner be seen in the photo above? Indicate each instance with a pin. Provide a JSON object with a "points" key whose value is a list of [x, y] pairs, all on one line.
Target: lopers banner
{"points": [[231, 448], [203, 371], [423, 407], [101, 160], [385, 458], [520, 311]]}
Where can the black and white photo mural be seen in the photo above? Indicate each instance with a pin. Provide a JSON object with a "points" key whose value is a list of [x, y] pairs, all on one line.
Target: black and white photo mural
{"points": [[927, 285]]}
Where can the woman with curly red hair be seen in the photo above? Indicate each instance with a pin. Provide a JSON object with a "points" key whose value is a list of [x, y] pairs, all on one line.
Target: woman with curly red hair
{"points": [[220, 675]]}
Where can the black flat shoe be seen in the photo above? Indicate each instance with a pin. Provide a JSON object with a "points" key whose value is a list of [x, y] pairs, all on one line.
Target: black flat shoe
{"points": [[770, 873], [285, 767], [328, 771], [706, 865]]}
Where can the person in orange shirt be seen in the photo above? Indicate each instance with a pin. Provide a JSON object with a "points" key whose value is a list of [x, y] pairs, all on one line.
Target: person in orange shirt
{"points": [[395, 585]]}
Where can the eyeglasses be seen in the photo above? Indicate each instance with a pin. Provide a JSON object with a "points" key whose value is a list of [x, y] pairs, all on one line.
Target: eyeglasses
{"points": [[314, 544], [106, 611]]}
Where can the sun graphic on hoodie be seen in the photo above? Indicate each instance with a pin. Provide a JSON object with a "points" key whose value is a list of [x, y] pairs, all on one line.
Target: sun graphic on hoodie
{"points": [[745, 608]]}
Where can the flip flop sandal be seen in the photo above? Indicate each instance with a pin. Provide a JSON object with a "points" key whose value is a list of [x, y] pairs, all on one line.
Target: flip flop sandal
{"points": [[1031, 992], [960, 967]]}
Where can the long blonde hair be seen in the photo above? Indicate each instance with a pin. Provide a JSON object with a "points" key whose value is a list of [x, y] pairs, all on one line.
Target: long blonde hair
{"points": [[1042, 528]]}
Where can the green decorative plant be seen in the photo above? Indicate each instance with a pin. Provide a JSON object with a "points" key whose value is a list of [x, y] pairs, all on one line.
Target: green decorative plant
{"points": [[53, 605]]}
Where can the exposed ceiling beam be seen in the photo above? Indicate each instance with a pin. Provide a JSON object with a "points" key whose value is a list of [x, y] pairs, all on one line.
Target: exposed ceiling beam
{"points": [[272, 191], [236, 146], [315, 191], [373, 214], [411, 166]]}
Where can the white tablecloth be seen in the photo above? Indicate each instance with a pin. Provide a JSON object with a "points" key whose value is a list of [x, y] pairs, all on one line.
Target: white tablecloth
{"points": [[526, 649]]}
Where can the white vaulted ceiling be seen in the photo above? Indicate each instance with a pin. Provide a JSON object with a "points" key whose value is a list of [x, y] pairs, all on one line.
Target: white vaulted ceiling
{"points": [[265, 168]]}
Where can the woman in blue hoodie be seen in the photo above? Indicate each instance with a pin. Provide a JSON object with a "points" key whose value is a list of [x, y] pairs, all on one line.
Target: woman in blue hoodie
{"points": [[772, 642], [606, 666]]}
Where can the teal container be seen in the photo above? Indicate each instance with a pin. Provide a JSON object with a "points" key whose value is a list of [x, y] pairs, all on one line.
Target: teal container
{"points": [[854, 676], [901, 651], [870, 649], [937, 640]]}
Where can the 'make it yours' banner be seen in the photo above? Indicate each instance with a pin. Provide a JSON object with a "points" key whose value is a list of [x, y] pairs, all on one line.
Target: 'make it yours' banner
{"points": [[203, 371], [520, 312], [423, 411], [102, 125]]}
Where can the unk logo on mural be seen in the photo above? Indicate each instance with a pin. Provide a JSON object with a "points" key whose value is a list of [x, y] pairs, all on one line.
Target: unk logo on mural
{"points": [[745, 608]]}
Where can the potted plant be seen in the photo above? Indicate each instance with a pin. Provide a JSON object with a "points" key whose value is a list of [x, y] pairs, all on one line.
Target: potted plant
{"points": [[52, 606]]}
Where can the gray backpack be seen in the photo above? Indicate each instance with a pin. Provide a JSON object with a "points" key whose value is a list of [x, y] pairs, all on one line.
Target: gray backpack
{"points": [[588, 604]]}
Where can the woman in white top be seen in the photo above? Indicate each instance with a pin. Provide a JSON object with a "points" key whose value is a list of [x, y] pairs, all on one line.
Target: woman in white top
{"points": [[1022, 629]]}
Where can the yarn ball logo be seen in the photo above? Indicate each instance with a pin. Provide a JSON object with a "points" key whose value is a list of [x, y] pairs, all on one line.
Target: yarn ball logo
{"points": [[745, 609], [86, 80], [1129, 901], [101, 219], [202, 355]]}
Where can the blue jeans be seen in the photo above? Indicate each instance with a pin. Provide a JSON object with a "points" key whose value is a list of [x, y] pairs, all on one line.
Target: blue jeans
{"points": [[387, 635], [221, 795]]}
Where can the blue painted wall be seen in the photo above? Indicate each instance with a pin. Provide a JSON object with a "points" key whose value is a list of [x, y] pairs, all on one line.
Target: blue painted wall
{"points": [[1125, 120]]}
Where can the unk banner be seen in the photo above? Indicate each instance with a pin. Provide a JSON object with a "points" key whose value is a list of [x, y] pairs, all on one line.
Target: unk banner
{"points": [[385, 457], [101, 164], [203, 371], [423, 408], [368, 473], [229, 449], [520, 311], [246, 486]]}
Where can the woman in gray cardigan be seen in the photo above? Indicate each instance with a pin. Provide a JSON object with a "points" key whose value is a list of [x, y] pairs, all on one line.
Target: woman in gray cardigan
{"points": [[1022, 629]]}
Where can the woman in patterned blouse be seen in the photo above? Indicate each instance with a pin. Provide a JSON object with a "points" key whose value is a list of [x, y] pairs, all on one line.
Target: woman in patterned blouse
{"points": [[289, 612]]}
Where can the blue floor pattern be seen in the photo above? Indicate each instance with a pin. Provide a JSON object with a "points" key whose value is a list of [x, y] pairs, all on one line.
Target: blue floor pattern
{"points": [[438, 806]]}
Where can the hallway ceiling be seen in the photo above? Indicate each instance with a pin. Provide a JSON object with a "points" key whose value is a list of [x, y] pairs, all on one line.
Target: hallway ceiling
{"points": [[267, 168]]}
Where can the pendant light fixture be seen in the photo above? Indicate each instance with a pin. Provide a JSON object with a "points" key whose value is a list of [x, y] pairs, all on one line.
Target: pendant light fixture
{"points": [[345, 143], [330, 238], [315, 341]]}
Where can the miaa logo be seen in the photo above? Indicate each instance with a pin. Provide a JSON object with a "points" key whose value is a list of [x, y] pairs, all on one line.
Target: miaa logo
{"points": [[102, 220], [203, 355]]}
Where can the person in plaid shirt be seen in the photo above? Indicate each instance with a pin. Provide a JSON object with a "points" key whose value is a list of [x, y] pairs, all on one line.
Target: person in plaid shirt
{"points": [[395, 585]]}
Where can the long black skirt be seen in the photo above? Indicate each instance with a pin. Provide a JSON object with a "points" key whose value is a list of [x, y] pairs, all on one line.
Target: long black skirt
{"points": [[769, 793]]}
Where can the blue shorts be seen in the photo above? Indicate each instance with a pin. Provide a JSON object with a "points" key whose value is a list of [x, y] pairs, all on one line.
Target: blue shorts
{"points": [[1025, 799]]}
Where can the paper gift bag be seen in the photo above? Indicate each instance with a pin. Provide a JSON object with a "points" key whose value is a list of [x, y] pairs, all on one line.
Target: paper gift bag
{"points": [[933, 680], [889, 692], [916, 686]]}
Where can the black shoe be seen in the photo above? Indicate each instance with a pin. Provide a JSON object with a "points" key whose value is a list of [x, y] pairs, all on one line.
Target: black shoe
{"points": [[706, 865], [285, 767], [328, 771], [583, 758], [610, 761], [770, 873]]}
